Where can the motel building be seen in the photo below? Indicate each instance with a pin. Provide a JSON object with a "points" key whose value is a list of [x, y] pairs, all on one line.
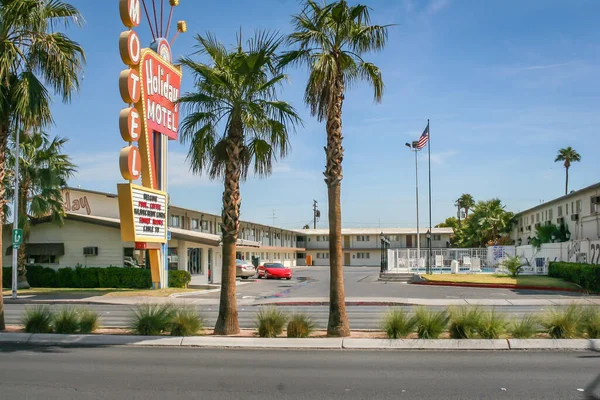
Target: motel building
{"points": [[362, 247], [91, 237]]}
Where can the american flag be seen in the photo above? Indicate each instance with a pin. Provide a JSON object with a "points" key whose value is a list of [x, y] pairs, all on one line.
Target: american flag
{"points": [[423, 139]]}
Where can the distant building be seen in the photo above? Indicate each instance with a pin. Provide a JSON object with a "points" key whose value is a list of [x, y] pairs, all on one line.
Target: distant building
{"points": [[362, 247], [578, 210]]}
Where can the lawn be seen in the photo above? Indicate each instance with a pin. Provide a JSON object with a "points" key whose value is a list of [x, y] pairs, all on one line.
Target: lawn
{"points": [[490, 279], [98, 292]]}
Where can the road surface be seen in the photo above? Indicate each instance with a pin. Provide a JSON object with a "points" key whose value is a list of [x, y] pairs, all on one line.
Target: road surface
{"points": [[361, 317], [190, 373]]}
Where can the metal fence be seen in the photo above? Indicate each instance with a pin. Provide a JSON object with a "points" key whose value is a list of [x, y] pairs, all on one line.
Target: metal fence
{"points": [[485, 260]]}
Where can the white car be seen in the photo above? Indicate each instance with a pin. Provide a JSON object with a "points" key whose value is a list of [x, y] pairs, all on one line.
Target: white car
{"points": [[244, 269]]}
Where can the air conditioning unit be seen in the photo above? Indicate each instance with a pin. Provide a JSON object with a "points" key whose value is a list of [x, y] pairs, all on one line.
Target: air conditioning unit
{"points": [[90, 251], [596, 200], [575, 217]]}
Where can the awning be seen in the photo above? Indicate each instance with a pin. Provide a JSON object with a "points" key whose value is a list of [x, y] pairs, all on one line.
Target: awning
{"points": [[41, 249]]}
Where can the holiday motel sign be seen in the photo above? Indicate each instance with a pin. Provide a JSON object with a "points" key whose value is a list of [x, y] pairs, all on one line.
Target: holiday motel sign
{"points": [[150, 85]]}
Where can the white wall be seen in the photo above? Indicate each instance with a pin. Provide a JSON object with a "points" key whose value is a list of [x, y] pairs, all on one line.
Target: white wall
{"points": [[76, 235], [85, 203]]}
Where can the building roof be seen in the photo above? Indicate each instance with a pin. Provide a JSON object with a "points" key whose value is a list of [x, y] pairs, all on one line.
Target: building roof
{"points": [[595, 186], [375, 231]]}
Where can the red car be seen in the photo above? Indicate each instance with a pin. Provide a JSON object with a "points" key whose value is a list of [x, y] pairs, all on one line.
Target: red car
{"points": [[273, 270]]}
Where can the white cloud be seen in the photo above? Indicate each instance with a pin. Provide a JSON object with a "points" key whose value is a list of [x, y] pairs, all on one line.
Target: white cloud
{"points": [[534, 67], [437, 5]]}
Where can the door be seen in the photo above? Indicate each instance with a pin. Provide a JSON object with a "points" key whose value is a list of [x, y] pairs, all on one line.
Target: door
{"points": [[346, 258], [409, 241], [347, 243]]}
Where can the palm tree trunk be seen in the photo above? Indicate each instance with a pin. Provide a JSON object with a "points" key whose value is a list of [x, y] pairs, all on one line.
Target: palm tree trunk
{"points": [[3, 146], [567, 181], [227, 321], [338, 320]]}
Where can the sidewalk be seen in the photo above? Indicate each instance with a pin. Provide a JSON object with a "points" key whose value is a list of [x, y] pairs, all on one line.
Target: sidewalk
{"points": [[312, 301], [309, 343]]}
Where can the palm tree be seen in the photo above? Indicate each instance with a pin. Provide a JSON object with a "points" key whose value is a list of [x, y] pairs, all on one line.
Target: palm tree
{"points": [[35, 62], [43, 173], [493, 220], [568, 155], [330, 40], [467, 202], [235, 123]]}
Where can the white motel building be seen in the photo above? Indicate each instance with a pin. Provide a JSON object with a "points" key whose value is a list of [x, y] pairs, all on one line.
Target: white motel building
{"points": [[91, 237], [578, 210]]}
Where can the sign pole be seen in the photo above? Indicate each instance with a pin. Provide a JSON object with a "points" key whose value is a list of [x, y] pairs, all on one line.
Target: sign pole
{"points": [[16, 244]]}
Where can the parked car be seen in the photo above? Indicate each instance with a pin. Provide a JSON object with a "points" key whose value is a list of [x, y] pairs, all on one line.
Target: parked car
{"points": [[273, 270], [244, 269]]}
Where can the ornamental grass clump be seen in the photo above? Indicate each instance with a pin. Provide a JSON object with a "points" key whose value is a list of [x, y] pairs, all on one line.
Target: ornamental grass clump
{"points": [[491, 325], [186, 322], [524, 328], [270, 322], [591, 322], [464, 322], [151, 319], [397, 324], [38, 319], [431, 324], [300, 326], [563, 322], [88, 320], [66, 320]]}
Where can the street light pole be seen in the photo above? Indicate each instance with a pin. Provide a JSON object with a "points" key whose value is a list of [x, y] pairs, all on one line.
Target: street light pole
{"points": [[413, 147], [15, 250]]}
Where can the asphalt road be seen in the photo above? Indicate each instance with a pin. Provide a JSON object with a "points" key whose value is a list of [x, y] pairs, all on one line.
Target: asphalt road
{"points": [[189, 373], [362, 282], [361, 317]]}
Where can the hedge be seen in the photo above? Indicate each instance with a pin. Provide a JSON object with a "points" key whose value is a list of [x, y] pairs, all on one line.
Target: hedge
{"points": [[585, 275], [94, 277]]}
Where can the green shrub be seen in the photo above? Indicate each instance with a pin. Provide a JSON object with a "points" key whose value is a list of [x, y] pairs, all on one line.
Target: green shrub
{"points": [[430, 324], [65, 278], [6, 277], [491, 325], [513, 265], [38, 319], [396, 324], [464, 322], [585, 275], [186, 322], [151, 319], [88, 321], [66, 320], [524, 328], [179, 279], [563, 322], [270, 321], [85, 277], [124, 278], [39, 276], [300, 326], [591, 322]]}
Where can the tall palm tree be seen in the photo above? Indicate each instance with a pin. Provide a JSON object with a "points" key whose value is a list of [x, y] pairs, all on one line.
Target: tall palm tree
{"points": [[43, 173], [331, 40], [493, 220], [467, 202], [568, 155], [235, 124], [35, 62]]}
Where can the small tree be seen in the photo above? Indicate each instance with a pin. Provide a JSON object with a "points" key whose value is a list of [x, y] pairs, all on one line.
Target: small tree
{"points": [[513, 265]]}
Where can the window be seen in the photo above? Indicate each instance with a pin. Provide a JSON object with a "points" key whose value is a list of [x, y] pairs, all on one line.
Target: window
{"points": [[594, 208], [175, 221], [42, 259], [363, 255], [194, 223], [318, 237], [363, 238], [550, 214], [437, 237], [322, 255], [537, 217], [567, 209], [559, 211], [572, 207], [579, 205]]}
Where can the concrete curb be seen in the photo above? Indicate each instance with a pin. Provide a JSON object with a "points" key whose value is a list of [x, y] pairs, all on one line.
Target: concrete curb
{"points": [[498, 286], [312, 343]]}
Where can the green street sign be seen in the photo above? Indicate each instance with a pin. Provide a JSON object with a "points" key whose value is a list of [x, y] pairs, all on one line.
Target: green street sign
{"points": [[17, 236]]}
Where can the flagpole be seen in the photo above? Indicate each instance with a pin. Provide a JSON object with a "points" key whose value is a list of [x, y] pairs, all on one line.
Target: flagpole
{"points": [[429, 160], [417, 195]]}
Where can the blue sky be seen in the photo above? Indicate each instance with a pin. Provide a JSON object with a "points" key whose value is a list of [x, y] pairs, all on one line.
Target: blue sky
{"points": [[505, 84]]}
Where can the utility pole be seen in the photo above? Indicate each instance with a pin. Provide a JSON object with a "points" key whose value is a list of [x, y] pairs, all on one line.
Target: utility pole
{"points": [[316, 213]]}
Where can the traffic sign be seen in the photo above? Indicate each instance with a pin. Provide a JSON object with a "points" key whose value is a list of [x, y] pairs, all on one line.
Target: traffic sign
{"points": [[17, 236], [168, 235]]}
